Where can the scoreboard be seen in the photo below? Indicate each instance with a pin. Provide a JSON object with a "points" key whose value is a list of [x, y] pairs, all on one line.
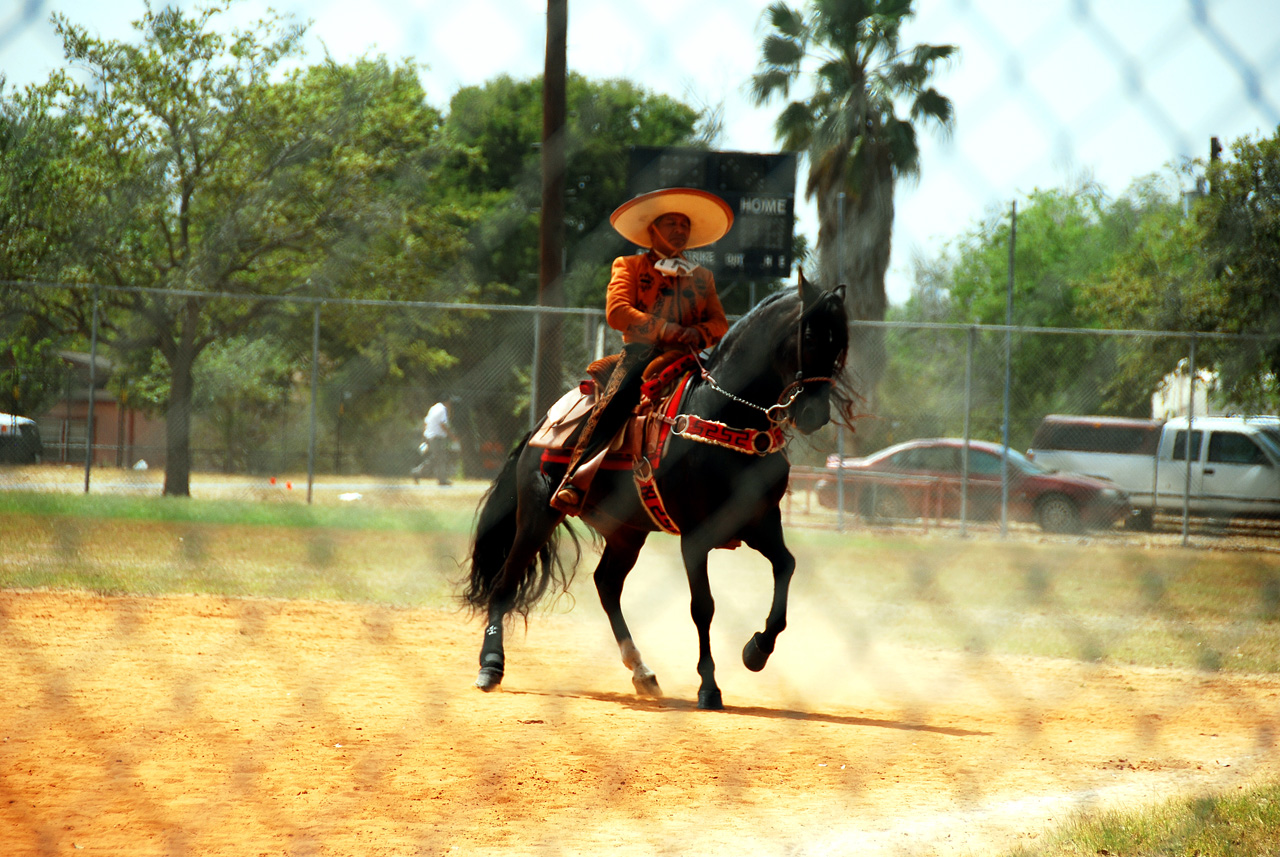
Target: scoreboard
{"points": [[760, 188]]}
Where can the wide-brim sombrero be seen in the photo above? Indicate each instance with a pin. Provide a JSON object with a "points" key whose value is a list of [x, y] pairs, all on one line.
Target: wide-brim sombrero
{"points": [[709, 215]]}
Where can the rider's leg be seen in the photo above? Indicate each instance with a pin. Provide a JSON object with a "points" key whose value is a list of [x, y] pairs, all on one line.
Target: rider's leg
{"points": [[619, 398]]}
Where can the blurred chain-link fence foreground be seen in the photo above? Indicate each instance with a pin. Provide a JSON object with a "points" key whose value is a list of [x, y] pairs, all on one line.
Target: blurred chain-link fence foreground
{"points": [[279, 665]]}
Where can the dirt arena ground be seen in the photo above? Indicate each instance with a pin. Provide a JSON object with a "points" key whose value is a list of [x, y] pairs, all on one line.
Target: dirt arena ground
{"points": [[191, 725]]}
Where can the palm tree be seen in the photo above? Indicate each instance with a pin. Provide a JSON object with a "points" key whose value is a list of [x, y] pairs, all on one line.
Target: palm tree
{"points": [[850, 129]]}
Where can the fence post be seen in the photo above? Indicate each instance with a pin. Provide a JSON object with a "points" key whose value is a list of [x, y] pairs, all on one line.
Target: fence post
{"points": [[1191, 411], [1008, 374], [533, 373], [839, 429], [315, 383], [968, 407], [93, 384]]}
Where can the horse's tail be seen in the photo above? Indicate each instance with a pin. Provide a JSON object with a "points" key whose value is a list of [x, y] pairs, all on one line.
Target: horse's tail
{"points": [[495, 533]]}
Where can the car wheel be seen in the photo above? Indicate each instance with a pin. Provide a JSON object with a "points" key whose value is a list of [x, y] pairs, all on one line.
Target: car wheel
{"points": [[1142, 521], [886, 504], [1058, 514]]}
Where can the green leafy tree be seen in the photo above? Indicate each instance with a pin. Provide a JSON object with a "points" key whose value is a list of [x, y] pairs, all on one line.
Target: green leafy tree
{"points": [[38, 186], [202, 168], [1069, 244], [1217, 270], [856, 124], [30, 373], [497, 129], [240, 386], [1240, 219], [493, 170], [1155, 283]]}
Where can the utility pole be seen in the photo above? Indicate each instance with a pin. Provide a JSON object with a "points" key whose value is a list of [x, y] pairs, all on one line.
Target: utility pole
{"points": [[551, 224]]}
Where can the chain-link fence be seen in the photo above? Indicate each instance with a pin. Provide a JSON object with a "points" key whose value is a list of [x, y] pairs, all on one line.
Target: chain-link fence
{"points": [[333, 684], [279, 666], [310, 413]]}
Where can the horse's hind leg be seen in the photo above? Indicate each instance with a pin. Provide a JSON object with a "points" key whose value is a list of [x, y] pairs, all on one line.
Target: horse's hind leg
{"points": [[617, 560], [767, 539], [531, 535], [492, 657]]}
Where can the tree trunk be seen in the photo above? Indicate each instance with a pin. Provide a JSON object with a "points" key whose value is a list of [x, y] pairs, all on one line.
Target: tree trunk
{"points": [[177, 466], [857, 254], [551, 224]]}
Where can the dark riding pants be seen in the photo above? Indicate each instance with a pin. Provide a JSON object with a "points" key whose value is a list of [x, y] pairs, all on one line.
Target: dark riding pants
{"points": [[620, 397]]}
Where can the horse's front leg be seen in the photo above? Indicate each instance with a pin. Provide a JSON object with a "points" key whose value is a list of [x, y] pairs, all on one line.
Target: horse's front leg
{"points": [[702, 608], [767, 539], [616, 562]]}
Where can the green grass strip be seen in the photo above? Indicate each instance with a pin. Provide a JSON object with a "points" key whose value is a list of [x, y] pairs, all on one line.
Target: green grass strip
{"points": [[228, 512], [1244, 823]]}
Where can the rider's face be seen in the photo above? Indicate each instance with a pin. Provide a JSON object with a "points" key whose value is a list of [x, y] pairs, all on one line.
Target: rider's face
{"points": [[674, 229]]}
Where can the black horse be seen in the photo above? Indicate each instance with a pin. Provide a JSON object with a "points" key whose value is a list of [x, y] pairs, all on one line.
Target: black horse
{"points": [[780, 366]]}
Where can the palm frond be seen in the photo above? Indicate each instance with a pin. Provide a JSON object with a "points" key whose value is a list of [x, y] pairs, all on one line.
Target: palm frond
{"points": [[903, 76], [836, 77], [929, 55], [896, 9], [933, 105], [900, 141], [782, 51], [794, 126], [766, 84], [841, 23], [787, 21]]}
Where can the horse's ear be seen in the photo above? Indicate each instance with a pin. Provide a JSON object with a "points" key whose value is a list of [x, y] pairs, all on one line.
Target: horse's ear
{"points": [[838, 291], [808, 294]]}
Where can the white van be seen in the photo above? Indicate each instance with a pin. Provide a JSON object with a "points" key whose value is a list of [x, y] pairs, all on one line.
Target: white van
{"points": [[1234, 468], [19, 440]]}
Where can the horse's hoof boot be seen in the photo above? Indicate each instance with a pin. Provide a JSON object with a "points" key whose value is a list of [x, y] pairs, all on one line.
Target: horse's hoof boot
{"points": [[489, 679]]}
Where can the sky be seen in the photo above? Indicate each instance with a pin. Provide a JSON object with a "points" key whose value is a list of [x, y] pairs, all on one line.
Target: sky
{"points": [[1045, 93]]}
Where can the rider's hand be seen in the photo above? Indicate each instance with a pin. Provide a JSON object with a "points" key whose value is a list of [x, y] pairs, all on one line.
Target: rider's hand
{"points": [[690, 336]]}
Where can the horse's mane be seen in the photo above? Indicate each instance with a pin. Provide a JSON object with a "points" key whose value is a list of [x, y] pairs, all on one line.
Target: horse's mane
{"points": [[829, 313]]}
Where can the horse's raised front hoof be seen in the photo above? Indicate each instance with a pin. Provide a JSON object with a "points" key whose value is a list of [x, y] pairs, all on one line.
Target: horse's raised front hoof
{"points": [[490, 678], [647, 685], [709, 700], [754, 657]]}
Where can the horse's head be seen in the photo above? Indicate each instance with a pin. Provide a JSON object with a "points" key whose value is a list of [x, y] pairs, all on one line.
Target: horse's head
{"points": [[814, 354], [789, 352]]}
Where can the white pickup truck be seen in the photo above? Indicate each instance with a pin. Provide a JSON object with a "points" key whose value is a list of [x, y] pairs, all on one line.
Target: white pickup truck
{"points": [[1234, 469]]}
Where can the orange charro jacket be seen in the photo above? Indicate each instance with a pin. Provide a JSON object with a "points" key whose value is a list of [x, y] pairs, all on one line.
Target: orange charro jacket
{"points": [[645, 305]]}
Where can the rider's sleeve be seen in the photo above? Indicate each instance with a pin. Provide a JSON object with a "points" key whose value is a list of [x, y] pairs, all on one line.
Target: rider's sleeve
{"points": [[711, 321], [622, 302]]}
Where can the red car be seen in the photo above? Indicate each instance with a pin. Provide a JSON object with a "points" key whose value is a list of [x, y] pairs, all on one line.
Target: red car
{"points": [[922, 478]]}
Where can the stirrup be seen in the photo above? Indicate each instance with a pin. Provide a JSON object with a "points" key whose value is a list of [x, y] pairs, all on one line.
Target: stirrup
{"points": [[567, 499]]}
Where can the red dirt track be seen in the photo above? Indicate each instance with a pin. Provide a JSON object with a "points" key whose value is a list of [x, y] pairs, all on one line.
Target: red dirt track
{"points": [[207, 726]]}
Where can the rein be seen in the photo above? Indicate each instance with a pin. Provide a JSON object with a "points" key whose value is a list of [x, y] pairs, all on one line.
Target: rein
{"points": [[778, 414], [745, 440]]}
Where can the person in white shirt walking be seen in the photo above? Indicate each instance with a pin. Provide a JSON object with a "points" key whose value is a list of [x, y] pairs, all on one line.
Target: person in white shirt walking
{"points": [[439, 437]]}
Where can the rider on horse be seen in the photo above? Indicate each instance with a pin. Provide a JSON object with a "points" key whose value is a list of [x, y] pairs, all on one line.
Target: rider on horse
{"points": [[662, 304]]}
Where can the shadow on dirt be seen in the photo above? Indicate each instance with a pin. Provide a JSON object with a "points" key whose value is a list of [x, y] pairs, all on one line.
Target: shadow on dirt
{"points": [[669, 704]]}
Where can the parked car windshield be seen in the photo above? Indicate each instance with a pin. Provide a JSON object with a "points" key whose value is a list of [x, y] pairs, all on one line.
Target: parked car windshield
{"points": [[946, 459], [981, 461], [1269, 439], [1026, 465]]}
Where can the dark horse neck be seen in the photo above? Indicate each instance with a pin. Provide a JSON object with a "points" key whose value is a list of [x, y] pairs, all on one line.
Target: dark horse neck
{"points": [[743, 367]]}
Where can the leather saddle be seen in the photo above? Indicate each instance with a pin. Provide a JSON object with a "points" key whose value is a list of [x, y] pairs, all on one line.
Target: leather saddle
{"points": [[642, 436]]}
